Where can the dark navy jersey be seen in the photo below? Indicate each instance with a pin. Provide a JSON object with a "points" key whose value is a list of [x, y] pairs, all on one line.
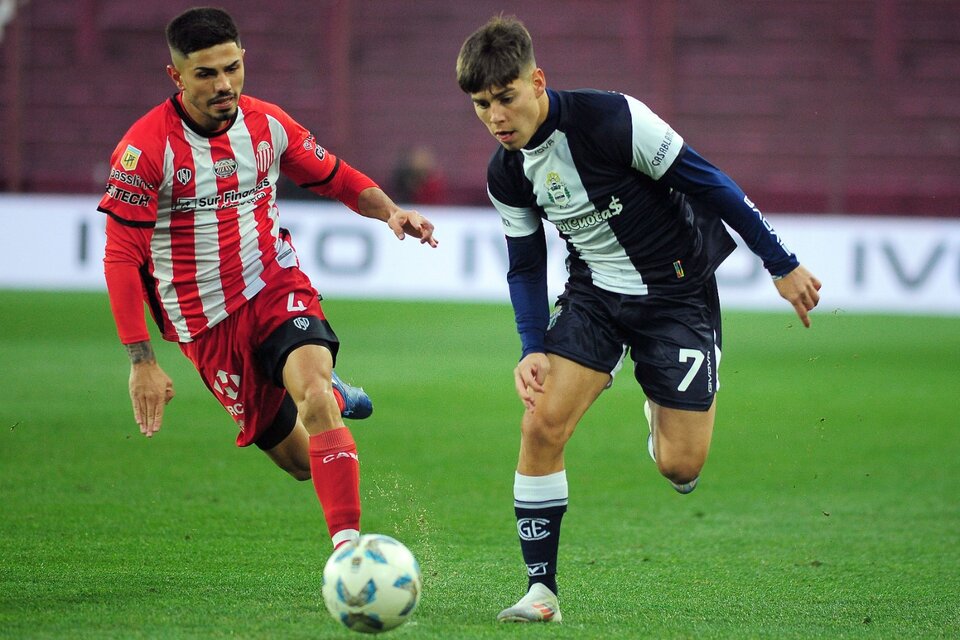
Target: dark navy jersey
{"points": [[641, 212]]}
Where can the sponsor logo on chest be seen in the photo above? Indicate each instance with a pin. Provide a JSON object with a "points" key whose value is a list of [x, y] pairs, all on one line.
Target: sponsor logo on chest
{"points": [[231, 198], [592, 219]]}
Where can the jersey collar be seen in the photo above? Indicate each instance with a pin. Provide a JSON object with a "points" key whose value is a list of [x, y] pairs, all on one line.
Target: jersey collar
{"points": [[193, 126], [550, 124]]}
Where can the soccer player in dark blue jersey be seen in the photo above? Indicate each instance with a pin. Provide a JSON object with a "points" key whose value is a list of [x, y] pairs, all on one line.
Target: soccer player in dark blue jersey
{"points": [[642, 215]]}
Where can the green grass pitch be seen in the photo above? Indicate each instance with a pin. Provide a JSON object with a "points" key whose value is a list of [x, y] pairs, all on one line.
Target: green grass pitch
{"points": [[829, 508]]}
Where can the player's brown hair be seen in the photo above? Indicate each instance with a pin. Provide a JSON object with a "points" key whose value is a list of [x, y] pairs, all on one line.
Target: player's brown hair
{"points": [[494, 55]]}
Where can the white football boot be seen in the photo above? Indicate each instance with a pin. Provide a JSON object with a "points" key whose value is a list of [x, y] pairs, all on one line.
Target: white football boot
{"points": [[539, 605], [649, 417]]}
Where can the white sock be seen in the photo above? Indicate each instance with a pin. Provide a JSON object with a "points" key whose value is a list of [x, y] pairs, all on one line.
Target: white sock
{"points": [[538, 492]]}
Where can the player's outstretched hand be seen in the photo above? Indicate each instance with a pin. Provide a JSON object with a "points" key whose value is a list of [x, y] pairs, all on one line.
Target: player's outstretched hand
{"points": [[407, 222], [528, 377], [150, 391], [801, 289]]}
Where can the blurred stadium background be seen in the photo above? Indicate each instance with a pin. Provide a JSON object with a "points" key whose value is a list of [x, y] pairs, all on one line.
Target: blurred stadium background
{"points": [[813, 106]]}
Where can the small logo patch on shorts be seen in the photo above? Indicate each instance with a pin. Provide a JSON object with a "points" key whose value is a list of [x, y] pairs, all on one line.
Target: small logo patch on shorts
{"points": [[553, 318]]}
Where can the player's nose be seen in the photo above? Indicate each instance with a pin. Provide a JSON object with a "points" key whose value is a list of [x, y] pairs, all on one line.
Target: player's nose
{"points": [[223, 84], [497, 115]]}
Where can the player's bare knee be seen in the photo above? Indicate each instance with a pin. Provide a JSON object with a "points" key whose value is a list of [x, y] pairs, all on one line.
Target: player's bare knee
{"points": [[317, 403], [545, 433], [679, 471]]}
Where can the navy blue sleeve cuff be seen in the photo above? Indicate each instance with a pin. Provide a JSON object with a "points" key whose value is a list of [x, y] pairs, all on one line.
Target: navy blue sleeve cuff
{"points": [[527, 281]]}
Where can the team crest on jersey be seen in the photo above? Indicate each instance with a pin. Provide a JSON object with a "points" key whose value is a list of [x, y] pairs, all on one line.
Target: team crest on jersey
{"points": [[184, 175], [557, 189], [264, 156], [130, 158], [225, 168]]}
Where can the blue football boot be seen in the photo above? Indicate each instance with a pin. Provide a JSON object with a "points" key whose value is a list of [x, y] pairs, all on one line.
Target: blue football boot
{"points": [[357, 405]]}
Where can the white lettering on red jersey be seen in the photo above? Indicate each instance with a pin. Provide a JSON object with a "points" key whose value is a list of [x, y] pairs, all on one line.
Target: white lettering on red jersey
{"points": [[209, 200]]}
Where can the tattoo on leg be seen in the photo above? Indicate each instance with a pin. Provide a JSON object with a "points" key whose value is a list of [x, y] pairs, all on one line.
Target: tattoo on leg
{"points": [[140, 352]]}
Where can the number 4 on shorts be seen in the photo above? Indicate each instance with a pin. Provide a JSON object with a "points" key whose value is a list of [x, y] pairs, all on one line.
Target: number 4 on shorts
{"points": [[295, 305]]}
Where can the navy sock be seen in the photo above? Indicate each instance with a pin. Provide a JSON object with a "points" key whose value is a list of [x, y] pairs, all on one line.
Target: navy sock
{"points": [[539, 531], [539, 504]]}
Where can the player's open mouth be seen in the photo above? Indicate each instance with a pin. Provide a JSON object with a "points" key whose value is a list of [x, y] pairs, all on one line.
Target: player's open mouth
{"points": [[222, 102], [504, 136]]}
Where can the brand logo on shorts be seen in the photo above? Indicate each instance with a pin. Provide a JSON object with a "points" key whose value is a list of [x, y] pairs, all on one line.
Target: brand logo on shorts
{"points": [[553, 318], [533, 528], [227, 385], [301, 323], [709, 374]]}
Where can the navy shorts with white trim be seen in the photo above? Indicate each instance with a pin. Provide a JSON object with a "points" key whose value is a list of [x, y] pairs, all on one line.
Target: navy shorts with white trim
{"points": [[673, 339]]}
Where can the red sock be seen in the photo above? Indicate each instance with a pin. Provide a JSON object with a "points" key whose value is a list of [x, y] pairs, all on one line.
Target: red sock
{"points": [[339, 398], [335, 468]]}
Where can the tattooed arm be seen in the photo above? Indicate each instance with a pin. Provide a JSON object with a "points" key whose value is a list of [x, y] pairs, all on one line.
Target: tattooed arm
{"points": [[140, 352], [150, 387]]}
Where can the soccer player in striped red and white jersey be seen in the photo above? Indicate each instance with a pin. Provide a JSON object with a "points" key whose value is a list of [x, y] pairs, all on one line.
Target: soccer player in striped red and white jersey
{"points": [[193, 231]]}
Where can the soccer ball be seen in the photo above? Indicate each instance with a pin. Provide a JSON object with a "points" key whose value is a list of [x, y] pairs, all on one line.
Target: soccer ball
{"points": [[371, 585]]}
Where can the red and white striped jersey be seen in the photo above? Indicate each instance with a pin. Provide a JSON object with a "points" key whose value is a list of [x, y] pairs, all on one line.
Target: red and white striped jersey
{"points": [[196, 211]]}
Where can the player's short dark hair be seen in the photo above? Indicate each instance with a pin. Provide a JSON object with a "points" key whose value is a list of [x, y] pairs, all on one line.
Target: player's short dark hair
{"points": [[201, 28], [494, 55]]}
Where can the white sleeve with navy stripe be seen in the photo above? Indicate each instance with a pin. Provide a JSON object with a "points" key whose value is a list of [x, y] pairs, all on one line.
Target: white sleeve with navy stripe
{"points": [[655, 144]]}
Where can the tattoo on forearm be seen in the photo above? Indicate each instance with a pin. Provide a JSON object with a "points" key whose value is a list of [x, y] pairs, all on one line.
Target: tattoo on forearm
{"points": [[140, 352]]}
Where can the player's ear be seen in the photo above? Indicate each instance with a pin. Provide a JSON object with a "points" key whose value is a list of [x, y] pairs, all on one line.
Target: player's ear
{"points": [[175, 76], [539, 80]]}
